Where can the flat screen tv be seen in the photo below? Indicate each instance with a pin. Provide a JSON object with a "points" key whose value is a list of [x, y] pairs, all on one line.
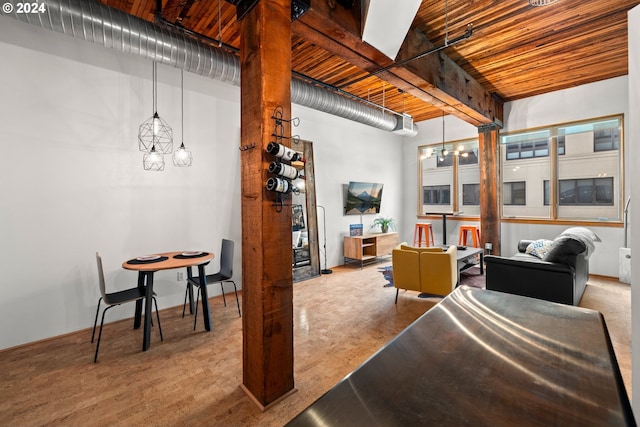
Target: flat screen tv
{"points": [[363, 198]]}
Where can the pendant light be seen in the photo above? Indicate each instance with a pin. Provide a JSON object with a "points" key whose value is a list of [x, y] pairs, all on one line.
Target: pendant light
{"points": [[443, 152], [153, 160], [155, 132], [182, 157]]}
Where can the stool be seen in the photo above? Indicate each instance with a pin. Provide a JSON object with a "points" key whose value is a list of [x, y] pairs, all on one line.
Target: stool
{"points": [[475, 234], [428, 234]]}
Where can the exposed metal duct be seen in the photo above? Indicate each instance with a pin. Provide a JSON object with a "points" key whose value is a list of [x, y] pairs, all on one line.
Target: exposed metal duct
{"points": [[112, 28]]}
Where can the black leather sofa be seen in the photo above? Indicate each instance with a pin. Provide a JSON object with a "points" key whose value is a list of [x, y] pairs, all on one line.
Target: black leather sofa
{"points": [[562, 280]]}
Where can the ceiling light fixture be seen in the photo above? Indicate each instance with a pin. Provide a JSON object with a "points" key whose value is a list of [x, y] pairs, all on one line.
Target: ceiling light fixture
{"points": [[541, 2], [182, 157], [155, 133], [443, 152], [153, 160]]}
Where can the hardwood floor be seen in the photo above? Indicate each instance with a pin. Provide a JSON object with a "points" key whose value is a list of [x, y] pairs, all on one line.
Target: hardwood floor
{"points": [[193, 378]]}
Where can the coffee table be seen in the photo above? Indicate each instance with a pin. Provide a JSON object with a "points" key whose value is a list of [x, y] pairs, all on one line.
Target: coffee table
{"points": [[467, 258]]}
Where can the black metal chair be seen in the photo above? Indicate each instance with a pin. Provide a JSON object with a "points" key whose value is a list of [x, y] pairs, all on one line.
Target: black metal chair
{"points": [[224, 275], [116, 298]]}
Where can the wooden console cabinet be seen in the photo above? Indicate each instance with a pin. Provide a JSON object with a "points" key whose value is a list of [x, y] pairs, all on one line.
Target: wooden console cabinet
{"points": [[369, 246]]}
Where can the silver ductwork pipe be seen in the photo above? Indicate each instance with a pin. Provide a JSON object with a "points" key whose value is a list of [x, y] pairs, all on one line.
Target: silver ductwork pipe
{"points": [[321, 99], [115, 29]]}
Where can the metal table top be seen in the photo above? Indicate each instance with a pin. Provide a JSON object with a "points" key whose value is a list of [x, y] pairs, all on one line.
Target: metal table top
{"points": [[485, 358]]}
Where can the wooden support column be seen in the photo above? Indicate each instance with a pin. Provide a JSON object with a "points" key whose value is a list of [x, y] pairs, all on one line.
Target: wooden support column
{"points": [[489, 179], [267, 284]]}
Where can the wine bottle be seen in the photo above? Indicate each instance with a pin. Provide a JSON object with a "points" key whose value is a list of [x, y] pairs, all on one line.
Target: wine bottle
{"points": [[281, 186], [284, 170], [284, 152]]}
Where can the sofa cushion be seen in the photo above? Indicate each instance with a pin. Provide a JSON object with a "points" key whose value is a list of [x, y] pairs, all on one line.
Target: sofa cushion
{"points": [[564, 248], [520, 256], [539, 248], [583, 235]]}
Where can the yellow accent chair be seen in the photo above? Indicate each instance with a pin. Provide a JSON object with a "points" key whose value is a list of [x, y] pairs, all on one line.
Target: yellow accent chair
{"points": [[430, 270]]}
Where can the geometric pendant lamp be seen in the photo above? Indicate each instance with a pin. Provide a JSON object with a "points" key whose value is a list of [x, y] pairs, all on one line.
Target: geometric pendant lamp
{"points": [[182, 157], [153, 160], [155, 133]]}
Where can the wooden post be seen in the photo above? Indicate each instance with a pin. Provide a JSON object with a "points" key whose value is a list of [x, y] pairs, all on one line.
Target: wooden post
{"points": [[267, 283], [489, 179]]}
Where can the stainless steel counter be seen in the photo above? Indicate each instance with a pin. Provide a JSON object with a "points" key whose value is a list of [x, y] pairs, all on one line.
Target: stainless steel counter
{"points": [[485, 358]]}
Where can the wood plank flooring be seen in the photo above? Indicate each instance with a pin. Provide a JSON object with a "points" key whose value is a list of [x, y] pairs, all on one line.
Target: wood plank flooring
{"points": [[193, 378]]}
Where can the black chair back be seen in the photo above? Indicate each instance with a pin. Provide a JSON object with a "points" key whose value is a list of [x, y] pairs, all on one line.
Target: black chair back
{"points": [[226, 258], [103, 287]]}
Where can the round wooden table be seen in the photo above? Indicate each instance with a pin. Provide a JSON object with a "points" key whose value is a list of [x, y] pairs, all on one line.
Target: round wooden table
{"points": [[149, 264]]}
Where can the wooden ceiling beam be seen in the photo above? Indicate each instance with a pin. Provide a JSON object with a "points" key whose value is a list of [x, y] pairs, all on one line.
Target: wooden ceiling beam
{"points": [[435, 79]]}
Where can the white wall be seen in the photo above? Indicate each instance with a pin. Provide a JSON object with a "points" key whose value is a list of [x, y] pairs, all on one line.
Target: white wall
{"points": [[73, 183], [633, 139], [588, 101], [345, 151]]}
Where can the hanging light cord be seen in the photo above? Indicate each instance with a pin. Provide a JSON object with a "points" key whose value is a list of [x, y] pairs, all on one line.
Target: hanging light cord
{"points": [[443, 149], [219, 26], [182, 106], [155, 88], [443, 129]]}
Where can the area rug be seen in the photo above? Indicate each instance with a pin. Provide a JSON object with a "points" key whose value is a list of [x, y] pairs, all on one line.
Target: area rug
{"points": [[472, 277]]}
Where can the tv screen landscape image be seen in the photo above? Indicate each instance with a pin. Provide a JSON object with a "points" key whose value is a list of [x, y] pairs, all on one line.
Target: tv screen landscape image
{"points": [[363, 198]]}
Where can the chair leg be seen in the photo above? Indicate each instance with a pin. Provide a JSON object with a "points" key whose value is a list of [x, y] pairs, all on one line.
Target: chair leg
{"points": [[237, 300], [397, 290], [95, 358], [95, 322], [184, 305], [224, 299], [158, 317], [195, 318]]}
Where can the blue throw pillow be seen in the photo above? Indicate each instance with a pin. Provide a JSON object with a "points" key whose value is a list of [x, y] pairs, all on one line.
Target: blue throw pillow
{"points": [[539, 248]]}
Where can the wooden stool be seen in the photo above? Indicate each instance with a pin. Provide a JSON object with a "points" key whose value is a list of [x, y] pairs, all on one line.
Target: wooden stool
{"points": [[428, 235], [475, 234]]}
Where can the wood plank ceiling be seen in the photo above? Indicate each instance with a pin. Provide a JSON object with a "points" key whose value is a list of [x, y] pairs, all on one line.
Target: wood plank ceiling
{"points": [[516, 50]]}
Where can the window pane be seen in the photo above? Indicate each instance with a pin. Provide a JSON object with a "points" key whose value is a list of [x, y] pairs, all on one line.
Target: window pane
{"points": [[468, 158], [585, 192], [546, 192], [511, 156], [587, 167], [606, 139], [444, 161], [436, 195], [519, 193], [560, 145], [471, 194], [514, 193], [437, 176], [604, 191], [445, 196], [567, 192], [506, 194]]}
